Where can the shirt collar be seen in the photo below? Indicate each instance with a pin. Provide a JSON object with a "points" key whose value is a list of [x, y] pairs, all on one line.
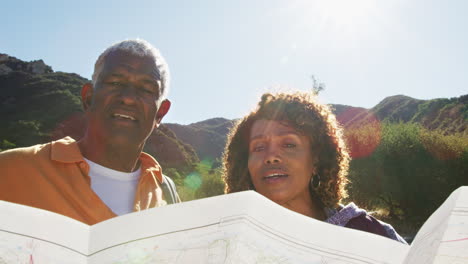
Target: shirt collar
{"points": [[66, 150], [150, 165]]}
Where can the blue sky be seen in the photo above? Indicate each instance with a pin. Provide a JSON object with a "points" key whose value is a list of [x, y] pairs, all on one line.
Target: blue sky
{"points": [[224, 54]]}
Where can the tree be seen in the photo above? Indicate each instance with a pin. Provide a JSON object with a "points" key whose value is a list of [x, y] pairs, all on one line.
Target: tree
{"points": [[317, 86]]}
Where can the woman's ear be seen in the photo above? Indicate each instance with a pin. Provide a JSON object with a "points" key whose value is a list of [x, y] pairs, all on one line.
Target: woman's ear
{"points": [[316, 163], [86, 95]]}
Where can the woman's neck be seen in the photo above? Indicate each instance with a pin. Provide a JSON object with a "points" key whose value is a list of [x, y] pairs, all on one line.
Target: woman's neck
{"points": [[308, 207]]}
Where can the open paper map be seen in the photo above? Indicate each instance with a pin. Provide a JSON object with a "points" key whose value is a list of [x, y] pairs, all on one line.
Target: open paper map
{"points": [[236, 228]]}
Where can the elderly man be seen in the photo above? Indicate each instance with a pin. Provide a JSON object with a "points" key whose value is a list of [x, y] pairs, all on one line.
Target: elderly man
{"points": [[105, 173]]}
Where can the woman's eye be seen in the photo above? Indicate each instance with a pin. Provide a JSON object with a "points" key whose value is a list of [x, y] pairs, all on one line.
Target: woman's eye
{"points": [[258, 148], [290, 145]]}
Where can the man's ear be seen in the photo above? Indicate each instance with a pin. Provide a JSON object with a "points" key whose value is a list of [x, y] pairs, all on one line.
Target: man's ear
{"points": [[162, 111], [86, 95]]}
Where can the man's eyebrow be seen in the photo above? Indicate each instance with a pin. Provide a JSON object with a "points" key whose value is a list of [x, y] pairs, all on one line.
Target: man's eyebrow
{"points": [[150, 81], [146, 79], [114, 74]]}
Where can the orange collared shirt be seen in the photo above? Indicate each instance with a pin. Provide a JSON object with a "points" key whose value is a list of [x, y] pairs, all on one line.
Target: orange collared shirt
{"points": [[54, 177]]}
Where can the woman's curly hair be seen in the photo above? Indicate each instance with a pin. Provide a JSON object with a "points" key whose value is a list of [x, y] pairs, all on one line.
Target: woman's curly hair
{"points": [[312, 119]]}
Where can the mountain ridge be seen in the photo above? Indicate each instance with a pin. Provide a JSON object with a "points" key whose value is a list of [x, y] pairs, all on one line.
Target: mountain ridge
{"points": [[38, 104]]}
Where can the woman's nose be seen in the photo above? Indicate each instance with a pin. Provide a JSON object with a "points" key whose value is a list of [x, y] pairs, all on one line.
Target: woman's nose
{"points": [[272, 156]]}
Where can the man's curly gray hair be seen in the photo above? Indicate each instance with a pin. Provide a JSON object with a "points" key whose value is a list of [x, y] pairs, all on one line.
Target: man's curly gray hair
{"points": [[141, 48]]}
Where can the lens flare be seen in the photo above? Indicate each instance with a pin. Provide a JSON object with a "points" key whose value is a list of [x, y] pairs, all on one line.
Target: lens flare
{"points": [[362, 139], [207, 162], [193, 181]]}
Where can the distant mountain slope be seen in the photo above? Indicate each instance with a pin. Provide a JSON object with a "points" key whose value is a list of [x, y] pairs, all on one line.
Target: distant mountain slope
{"points": [[171, 152], [207, 137], [38, 105], [347, 115], [448, 115]]}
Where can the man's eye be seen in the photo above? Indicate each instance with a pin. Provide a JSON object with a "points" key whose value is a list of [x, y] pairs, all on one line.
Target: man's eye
{"points": [[117, 84], [147, 90], [290, 145]]}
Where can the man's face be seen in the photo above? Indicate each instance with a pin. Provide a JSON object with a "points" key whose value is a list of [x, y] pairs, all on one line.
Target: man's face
{"points": [[280, 162], [124, 103]]}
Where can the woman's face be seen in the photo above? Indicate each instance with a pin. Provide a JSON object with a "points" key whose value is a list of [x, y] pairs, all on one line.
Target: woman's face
{"points": [[280, 162]]}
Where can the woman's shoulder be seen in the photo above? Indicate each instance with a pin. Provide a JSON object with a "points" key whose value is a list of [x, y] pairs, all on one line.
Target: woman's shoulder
{"points": [[368, 223], [357, 218]]}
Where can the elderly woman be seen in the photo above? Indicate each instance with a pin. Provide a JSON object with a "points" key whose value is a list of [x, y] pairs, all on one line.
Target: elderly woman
{"points": [[290, 149]]}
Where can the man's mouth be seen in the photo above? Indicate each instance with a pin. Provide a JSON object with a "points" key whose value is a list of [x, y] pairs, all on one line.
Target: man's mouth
{"points": [[123, 116]]}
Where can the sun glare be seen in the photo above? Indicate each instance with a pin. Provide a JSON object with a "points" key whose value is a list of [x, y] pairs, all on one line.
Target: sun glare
{"points": [[345, 13], [341, 26], [344, 16]]}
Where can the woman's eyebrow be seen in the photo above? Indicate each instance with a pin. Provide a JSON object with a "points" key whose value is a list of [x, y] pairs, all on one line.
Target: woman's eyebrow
{"points": [[281, 134], [259, 136], [287, 133]]}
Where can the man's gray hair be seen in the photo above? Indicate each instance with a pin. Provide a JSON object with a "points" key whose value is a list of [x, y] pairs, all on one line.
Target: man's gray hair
{"points": [[141, 48]]}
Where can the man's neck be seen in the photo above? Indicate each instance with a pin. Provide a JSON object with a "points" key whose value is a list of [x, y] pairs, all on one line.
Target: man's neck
{"points": [[116, 157]]}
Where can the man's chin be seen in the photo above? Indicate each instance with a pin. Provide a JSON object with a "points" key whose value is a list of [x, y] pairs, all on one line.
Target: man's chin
{"points": [[124, 140]]}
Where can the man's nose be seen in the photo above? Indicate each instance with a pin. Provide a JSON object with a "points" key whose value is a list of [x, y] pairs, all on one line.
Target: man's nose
{"points": [[128, 95]]}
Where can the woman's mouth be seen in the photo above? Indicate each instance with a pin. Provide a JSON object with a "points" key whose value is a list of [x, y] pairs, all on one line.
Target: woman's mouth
{"points": [[275, 176]]}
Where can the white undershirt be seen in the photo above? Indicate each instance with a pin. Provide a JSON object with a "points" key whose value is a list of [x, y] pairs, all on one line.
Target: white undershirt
{"points": [[115, 188]]}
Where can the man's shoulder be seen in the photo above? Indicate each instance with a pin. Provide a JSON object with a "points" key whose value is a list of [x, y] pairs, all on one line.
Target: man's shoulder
{"points": [[39, 150], [21, 160], [24, 151]]}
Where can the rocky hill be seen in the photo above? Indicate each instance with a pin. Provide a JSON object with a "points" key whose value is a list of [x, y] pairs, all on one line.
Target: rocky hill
{"points": [[9, 64]]}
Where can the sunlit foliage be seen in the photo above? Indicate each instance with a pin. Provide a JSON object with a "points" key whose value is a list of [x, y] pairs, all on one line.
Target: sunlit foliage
{"points": [[410, 172]]}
